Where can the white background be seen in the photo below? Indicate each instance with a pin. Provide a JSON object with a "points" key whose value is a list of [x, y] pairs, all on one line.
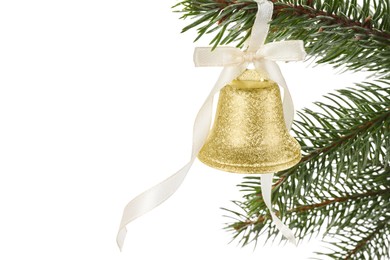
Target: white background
{"points": [[97, 102]]}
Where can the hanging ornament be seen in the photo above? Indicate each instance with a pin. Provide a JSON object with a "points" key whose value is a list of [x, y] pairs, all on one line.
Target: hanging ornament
{"points": [[250, 132]]}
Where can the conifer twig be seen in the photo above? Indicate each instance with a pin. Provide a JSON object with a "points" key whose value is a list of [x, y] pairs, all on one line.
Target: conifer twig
{"points": [[342, 181], [336, 32]]}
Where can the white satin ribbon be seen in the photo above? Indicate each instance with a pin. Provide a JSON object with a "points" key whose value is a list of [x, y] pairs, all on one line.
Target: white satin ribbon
{"points": [[234, 62], [156, 195]]}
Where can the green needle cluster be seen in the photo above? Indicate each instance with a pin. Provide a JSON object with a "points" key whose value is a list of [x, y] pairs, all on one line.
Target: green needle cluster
{"points": [[342, 183], [339, 32]]}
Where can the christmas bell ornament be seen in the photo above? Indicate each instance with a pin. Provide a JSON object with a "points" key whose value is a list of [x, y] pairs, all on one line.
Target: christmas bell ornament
{"points": [[249, 134]]}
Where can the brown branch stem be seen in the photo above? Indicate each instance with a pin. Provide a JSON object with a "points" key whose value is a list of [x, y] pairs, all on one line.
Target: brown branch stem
{"points": [[305, 208], [309, 11], [362, 243], [341, 199]]}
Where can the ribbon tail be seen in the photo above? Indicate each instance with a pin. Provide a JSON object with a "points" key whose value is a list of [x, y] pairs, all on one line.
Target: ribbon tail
{"points": [[156, 195], [150, 199], [275, 74], [266, 190]]}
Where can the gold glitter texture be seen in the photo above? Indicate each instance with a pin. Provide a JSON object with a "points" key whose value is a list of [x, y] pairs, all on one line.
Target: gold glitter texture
{"points": [[249, 133]]}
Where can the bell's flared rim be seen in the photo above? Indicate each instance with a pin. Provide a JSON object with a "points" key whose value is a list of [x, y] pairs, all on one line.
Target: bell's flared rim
{"points": [[250, 169]]}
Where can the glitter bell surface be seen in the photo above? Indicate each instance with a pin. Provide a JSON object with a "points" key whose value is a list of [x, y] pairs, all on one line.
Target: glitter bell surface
{"points": [[249, 134]]}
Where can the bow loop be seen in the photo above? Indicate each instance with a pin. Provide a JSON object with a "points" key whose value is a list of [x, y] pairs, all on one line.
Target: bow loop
{"points": [[226, 56], [220, 57], [292, 50]]}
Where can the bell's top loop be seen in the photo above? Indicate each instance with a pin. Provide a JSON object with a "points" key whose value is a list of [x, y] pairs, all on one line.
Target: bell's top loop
{"points": [[253, 75]]}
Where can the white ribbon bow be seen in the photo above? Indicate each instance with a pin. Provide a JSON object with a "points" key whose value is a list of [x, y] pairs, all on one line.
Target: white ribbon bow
{"points": [[235, 62]]}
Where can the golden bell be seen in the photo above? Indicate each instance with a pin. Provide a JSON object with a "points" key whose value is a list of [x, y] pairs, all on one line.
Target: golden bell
{"points": [[249, 134]]}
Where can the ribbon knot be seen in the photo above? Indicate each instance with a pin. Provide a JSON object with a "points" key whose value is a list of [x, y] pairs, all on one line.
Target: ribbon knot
{"points": [[249, 57]]}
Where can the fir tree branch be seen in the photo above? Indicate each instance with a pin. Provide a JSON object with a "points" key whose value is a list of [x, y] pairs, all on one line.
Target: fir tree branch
{"points": [[337, 32], [364, 241], [366, 26], [346, 140], [338, 140], [305, 208], [369, 241], [335, 144], [339, 200]]}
